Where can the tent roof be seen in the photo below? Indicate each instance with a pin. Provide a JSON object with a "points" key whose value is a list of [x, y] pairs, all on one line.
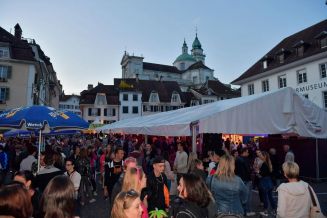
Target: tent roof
{"points": [[276, 112]]}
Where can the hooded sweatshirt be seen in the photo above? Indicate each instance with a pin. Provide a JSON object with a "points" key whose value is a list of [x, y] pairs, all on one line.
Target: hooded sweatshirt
{"points": [[293, 200]]}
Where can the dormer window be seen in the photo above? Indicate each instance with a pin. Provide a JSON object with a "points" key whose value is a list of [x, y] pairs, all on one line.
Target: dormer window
{"points": [[322, 39], [101, 99], [323, 42], [4, 52], [281, 55], [281, 58], [265, 64], [265, 61], [154, 97], [175, 98], [299, 51]]}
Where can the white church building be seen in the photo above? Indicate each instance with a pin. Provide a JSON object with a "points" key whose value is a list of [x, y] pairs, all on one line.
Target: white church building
{"points": [[189, 70]]}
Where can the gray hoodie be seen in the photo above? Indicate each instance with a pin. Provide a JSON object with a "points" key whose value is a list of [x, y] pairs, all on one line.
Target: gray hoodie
{"points": [[293, 200]]}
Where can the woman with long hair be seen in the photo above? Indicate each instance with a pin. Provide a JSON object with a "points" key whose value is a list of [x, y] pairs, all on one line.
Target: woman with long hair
{"points": [[265, 183], [58, 198], [27, 179], [15, 201], [194, 198], [127, 205], [228, 190], [135, 179], [85, 171]]}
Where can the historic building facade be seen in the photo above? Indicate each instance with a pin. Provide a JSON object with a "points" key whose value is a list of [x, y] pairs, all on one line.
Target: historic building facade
{"points": [[298, 61], [69, 103], [27, 76], [189, 70]]}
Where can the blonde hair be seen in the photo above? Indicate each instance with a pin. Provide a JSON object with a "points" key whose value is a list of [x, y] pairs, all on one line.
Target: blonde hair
{"points": [[191, 158], [132, 179], [226, 168], [123, 201], [291, 170], [267, 160]]}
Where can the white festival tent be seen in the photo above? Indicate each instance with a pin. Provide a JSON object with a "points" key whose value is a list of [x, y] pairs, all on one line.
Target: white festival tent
{"points": [[276, 112]]}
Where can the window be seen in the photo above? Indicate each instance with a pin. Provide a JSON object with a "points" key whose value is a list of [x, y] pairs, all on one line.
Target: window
{"points": [[94, 112], [251, 89], [195, 79], [154, 97], [4, 52], [302, 76], [281, 58], [125, 109], [5, 73], [282, 81], [113, 112], [265, 85], [300, 51], [135, 97], [323, 70], [145, 108], [182, 66], [105, 112], [125, 97], [325, 98], [175, 97], [4, 94], [306, 96], [323, 42], [101, 99], [265, 64], [135, 110]]}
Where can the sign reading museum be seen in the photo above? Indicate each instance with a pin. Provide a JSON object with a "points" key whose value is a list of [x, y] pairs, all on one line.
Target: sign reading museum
{"points": [[311, 87]]}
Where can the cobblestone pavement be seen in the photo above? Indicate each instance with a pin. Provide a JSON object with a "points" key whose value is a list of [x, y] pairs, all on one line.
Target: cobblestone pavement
{"points": [[100, 208]]}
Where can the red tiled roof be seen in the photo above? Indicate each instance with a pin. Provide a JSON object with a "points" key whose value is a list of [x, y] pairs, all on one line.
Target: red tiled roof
{"points": [[307, 37], [19, 49], [160, 67]]}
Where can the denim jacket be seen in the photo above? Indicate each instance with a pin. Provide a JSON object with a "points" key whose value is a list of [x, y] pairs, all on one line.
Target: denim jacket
{"points": [[229, 195]]}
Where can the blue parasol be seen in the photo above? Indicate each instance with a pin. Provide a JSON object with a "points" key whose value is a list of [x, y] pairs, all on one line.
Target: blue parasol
{"points": [[41, 118]]}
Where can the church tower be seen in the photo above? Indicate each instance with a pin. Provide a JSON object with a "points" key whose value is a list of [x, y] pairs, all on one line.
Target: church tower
{"points": [[184, 60], [197, 51]]}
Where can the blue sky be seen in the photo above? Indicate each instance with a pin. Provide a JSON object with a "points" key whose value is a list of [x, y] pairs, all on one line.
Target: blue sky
{"points": [[86, 39]]}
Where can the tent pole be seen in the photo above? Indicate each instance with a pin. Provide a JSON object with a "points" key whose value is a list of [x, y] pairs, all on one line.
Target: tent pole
{"points": [[39, 153], [146, 139], [194, 138], [317, 160]]}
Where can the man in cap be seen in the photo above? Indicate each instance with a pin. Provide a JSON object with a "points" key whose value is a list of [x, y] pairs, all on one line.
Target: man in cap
{"points": [[156, 182]]}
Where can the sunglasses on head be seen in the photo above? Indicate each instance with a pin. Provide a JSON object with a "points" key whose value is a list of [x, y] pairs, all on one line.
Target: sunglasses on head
{"points": [[129, 194]]}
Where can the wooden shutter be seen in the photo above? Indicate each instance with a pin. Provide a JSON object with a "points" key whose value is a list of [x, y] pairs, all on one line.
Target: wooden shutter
{"points": [[7, 93], [9, 72]]}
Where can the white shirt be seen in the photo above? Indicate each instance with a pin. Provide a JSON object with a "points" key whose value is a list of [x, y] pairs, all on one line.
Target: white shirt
{"points": [[26, 164], [181, 162], [75, 177]]}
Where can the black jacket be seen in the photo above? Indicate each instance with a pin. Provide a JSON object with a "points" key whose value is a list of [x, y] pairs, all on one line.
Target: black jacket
{"points": [[155, 186], [186, 209]]}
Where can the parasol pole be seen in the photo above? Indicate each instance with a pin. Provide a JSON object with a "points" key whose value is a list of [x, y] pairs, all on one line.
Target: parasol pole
{"points": [[39, 153]]}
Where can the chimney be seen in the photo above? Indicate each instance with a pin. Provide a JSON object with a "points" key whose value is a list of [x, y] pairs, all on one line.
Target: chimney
{"points": [[18, 31], [137, 78], [89, 86]]}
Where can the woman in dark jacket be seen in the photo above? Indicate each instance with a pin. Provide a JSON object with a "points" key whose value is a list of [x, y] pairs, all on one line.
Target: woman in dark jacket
{"points": [[265, 183], [193, 200]]}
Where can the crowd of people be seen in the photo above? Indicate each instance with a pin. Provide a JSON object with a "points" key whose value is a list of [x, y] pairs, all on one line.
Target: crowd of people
{"points": [[164, 178]]}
